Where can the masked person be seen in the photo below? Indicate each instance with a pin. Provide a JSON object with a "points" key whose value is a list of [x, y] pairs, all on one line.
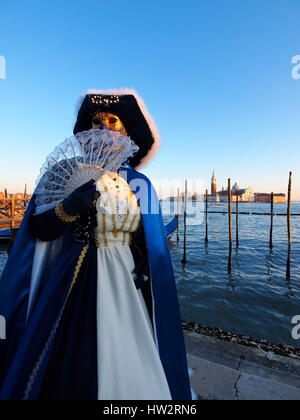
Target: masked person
{"points": [[88, 292]]}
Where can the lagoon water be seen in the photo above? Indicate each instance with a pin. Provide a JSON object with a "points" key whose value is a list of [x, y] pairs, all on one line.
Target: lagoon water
{"points": [[255, 299]]}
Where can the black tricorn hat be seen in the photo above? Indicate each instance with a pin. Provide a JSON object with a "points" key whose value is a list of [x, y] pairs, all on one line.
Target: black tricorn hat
{"points": [[131, 110]]}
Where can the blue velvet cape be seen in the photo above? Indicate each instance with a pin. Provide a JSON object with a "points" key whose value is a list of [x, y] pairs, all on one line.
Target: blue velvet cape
{"points": [[31, 358]]}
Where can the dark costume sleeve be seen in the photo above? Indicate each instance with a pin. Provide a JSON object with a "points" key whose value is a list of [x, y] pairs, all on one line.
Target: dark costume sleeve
{"points": [[47, 226], [139, 252]]}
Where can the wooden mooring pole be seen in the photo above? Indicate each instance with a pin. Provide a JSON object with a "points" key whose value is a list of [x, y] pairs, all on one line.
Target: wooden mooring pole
{"points": [[178, 213], [230, 211], [288, 264], [184, 260], [289, 227], [272, 221], [206, 216], [237, 222], [230, 225], [289, 209], [12, 213]]}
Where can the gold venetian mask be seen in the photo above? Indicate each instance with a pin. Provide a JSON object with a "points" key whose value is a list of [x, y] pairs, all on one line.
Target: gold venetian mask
{"points": [[104, 120]]}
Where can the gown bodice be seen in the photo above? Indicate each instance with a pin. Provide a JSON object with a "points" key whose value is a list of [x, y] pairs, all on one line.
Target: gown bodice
{"points": [[118, 211]]}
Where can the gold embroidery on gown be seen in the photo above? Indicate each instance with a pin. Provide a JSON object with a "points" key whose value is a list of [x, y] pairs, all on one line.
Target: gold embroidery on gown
{"points": [[119, 211]]}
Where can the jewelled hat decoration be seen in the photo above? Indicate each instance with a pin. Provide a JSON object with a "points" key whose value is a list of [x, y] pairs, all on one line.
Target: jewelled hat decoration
{"points": [[131, 110]]}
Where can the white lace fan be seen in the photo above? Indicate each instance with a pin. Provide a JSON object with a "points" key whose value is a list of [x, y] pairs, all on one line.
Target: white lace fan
{"points": [[88, 155]]}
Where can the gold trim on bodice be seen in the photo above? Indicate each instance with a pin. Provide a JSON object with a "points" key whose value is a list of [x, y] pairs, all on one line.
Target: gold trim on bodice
{"points": [[118, 211]]}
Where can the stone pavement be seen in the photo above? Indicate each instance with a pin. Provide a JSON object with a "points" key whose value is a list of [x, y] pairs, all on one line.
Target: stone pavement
{"points": [[225, 371]]}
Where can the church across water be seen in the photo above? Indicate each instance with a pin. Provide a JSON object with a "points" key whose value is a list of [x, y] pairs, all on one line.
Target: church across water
{"points": [[244, 195]]}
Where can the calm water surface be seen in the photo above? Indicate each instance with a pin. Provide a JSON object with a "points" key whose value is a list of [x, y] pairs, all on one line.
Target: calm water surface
{"points": [[256, 298]]}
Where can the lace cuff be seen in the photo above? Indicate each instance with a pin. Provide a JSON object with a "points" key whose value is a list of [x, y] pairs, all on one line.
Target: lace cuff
{"points": [[63, 216]]}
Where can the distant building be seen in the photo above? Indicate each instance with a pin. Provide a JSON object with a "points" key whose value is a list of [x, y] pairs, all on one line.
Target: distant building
{"points": [[266, 198], [242, 194], [245, 195], [196, 197], [237, 193], [214, 184], [213, 196]]}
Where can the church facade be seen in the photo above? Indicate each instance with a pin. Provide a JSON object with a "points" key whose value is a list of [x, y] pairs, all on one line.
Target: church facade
{"points": [[237, 193]]}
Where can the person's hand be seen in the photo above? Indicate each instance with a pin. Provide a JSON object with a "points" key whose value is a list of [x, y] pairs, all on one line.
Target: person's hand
{"points": [[82, 199]]}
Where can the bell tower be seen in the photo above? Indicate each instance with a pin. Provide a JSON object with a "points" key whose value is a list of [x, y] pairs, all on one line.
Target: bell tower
{"points": [[214, 184]]}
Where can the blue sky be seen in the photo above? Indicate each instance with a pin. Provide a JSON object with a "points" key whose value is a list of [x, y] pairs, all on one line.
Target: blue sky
{"points": [[215, 74]]}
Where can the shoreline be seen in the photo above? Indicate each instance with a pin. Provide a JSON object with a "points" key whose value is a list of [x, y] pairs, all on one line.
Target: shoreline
{"points": [[250, 342]]}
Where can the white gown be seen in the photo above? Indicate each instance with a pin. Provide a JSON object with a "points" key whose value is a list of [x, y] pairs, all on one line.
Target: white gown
{"points": [[129, 366]]}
